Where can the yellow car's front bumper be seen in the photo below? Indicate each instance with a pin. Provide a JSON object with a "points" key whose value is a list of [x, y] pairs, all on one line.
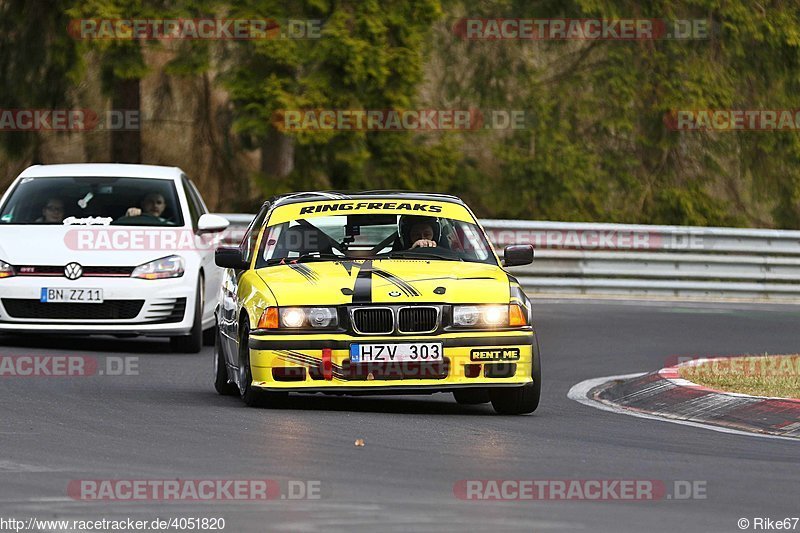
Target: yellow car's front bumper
{"points": [[471, 359]]}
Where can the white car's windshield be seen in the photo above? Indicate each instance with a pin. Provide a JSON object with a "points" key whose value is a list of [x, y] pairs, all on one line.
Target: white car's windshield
{"points": [[81, 200], [374, 236]]}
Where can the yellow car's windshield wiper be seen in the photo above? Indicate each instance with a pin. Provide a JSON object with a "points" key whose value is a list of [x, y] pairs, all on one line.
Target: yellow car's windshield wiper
{"points": [[317, 257], [305, 258], [425, 253]]}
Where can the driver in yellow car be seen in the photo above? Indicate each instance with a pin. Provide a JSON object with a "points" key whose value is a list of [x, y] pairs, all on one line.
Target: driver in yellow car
{"points": [[419, 231], [422, 235]]}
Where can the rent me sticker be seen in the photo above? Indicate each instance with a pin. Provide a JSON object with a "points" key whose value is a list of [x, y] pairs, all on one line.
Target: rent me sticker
{"points": [[495, 354]]}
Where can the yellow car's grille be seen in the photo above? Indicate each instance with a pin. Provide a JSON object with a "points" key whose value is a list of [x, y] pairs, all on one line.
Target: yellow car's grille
{"points": [[379, 320], [417, 319], [387, 320]]}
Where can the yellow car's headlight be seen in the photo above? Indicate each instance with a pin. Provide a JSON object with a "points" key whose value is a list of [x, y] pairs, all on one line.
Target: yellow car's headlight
{"points": [[299, 318], [488, 316]]}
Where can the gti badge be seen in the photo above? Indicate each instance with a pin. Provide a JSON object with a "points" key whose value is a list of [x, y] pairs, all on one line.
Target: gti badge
{"points": [[73, 271]]}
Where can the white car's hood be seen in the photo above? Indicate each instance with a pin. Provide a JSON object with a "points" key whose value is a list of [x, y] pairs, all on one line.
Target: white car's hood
{"points": [[90, 245]]}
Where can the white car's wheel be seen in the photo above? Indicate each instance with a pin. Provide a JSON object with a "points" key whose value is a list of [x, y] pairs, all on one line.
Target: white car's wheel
{"points": [[193, 342], [209, 336]]}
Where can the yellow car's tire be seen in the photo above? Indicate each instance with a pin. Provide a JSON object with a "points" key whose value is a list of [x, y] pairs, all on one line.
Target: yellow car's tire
{"points": [[252, 396], [471, 396], [520, 400], [222, 382]]}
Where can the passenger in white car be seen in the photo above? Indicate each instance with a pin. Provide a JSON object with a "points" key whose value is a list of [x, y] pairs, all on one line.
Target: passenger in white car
{"points": [[52, 212]]}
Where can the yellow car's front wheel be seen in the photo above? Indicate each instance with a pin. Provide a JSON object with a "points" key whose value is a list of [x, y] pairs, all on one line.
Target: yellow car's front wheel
{"points": [[252, 396], [520, 400]]}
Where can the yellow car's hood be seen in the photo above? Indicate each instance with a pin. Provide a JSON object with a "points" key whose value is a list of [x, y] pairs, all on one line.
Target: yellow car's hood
{"points": [[385, 281]]}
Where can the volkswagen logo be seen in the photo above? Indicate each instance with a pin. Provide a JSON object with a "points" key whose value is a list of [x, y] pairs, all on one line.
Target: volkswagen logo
{"points": [[73, 271]]}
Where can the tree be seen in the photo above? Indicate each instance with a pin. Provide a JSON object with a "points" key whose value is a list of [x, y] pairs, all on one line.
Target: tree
{"points": [[370, 56], [37, 57], [121, 61], [598, 148]]}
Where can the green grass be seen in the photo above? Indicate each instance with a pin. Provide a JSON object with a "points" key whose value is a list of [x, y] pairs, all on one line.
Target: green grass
{"points": [[767, 375]]}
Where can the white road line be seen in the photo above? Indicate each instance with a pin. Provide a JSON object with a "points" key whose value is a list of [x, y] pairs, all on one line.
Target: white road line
{"points": [[580, 391], [11, 466], [42, 500]]}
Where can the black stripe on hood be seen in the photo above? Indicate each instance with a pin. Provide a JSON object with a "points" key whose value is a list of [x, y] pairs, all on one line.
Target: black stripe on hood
{"points": [[362, 289], [304, 271], [404, 286]]}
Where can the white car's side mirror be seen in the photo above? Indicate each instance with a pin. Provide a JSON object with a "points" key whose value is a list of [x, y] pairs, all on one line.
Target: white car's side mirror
{"points": [[209, 223]]}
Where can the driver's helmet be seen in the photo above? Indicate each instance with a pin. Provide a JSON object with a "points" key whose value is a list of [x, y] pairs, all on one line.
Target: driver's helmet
{"points": [[409, 221]]}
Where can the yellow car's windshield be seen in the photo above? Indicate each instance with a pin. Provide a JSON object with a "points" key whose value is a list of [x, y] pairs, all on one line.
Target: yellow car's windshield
{"points": [[378, 235]]}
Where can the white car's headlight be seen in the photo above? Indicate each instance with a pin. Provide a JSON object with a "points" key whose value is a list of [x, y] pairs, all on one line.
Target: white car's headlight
{"points": [[6, 270], [166, 267], [488, 316]]}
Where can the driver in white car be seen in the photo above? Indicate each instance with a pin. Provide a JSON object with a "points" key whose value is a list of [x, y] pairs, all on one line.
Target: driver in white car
{"points": [[153, 204]]}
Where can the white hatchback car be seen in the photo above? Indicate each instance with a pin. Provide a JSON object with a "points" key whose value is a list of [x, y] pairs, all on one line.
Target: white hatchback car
{"points": [[108, 249]]}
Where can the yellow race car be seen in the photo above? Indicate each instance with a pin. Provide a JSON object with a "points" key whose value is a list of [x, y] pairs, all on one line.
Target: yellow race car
{"points": [[372, 293]]}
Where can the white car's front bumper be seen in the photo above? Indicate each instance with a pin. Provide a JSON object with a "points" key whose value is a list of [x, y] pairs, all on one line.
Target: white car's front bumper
{"points": [[130, 306]]}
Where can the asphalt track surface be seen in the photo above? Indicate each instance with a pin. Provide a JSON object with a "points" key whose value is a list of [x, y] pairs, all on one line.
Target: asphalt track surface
{"points": [[167, 422]]}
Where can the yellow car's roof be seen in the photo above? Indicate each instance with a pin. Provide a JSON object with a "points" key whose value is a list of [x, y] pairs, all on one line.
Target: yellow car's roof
{"points": [[360, 205]]}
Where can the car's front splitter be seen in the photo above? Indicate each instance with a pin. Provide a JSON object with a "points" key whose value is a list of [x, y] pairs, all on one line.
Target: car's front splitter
{"points": [[307, 364]]}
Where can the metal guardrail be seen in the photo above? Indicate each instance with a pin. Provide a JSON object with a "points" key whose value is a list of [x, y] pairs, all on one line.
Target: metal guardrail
{"points": [[239, 222], [681, 262]]}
